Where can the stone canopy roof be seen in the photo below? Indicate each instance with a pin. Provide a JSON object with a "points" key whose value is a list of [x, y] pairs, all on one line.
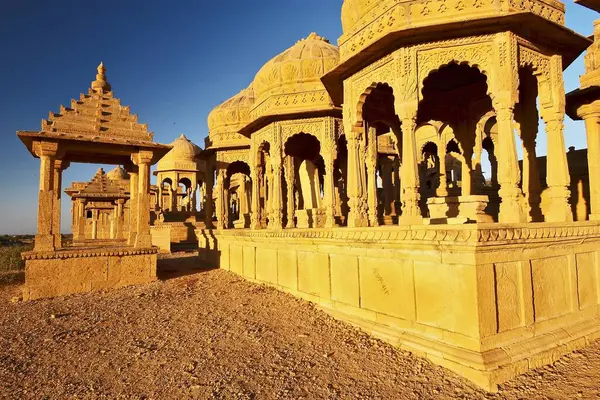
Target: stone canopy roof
{"points": [[97, 113], [97, 117], [100, 186]]}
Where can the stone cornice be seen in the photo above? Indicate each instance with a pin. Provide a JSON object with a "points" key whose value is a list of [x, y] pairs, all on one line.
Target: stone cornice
{"points": [[88, 252], [457, 234]]}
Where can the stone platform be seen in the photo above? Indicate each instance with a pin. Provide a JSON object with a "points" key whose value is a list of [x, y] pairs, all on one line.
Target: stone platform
{"points": [[84, 269], [488, 301]]}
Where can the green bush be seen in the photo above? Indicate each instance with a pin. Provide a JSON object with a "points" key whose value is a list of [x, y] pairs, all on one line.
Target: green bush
{"points": [[10, 257]]}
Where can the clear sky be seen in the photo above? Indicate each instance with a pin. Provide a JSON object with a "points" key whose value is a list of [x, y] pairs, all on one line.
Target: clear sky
{"points": [[171, 61]]}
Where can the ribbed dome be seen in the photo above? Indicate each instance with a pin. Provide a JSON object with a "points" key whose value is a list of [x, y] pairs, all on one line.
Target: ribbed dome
{"points": [[233, 114], [180, 157], [297, 70], [118, 173]]}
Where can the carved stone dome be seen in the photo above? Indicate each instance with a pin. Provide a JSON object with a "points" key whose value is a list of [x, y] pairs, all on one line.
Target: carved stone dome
{"points": [[231, 115], [181, 157], [291, 81], [118, 173]]}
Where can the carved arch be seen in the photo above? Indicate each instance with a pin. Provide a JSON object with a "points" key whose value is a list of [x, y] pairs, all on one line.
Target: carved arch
{"points": [[476, 56]]}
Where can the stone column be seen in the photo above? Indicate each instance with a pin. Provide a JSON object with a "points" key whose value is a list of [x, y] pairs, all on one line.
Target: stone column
{"points": [[411, 212], [142, 160], [289, 181], [357, 217], [226, 202], [442, 190], [77, 218], [133, 203], [371, 163], [508, 168], [557, 170], [208, 195], [465, 189], [329, 189], [221, 206], [592, 128], [95, 224], [44, 239], [255, 176], [275, 220], [59, 167], [119, 219], [387, 171], [477, 175]]}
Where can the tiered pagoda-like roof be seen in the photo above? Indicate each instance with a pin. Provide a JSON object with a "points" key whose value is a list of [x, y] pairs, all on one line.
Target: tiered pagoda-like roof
{"points": [[100, 186], [100, 118]]}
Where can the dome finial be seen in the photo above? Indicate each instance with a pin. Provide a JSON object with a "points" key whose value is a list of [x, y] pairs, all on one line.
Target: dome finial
{"points": [[101, 84], [314, 36]]}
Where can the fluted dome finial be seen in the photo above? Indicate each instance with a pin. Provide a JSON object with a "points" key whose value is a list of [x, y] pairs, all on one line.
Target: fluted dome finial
{"points": [[101, 84]]}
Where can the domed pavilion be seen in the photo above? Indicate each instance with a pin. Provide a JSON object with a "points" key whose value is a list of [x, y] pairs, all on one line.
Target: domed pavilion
{"points": [[386, 185]]}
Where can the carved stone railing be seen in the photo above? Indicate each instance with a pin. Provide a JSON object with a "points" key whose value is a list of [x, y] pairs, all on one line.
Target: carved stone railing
{"points": [[397, 15]]}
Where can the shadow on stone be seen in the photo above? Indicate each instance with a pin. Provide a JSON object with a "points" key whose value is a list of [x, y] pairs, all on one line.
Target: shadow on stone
{"points": [[176, 267]]}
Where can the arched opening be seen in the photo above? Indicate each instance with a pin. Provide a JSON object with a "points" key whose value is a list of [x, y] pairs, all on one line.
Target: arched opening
{"points": [[184, 194], [527, 123], [340, 179], [456, 94], [382, 130], [304, 182], [239, 203], [429, 170]]}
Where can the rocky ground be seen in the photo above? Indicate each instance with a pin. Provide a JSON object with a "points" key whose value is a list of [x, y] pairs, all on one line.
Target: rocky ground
{"points": [[208, 334]]}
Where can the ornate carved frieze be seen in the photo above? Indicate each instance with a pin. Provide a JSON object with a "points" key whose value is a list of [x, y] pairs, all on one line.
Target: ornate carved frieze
{"points": [[366, 21]]}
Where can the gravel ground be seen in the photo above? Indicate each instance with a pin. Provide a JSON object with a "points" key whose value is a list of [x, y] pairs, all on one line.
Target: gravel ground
{"points": [[208, 334]]}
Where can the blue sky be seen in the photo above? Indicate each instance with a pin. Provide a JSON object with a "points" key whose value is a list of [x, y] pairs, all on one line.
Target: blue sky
{"points": [[172, 62]]}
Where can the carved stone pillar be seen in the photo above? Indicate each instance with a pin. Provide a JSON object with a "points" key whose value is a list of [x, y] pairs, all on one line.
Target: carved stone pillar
{"points": [[371, 162], [289, 181], [59, 167], [95, 215], [256, 177], [387, 171], [275, 219], [119, 219], [143, 238], [357, 217], [44, 239], [226, 202], [221, 173], [133, 203], [508, 168], [557, 172], [208, 198], [329, 189], [592, 128], [78, 219], [411, 212], [442, 190]]}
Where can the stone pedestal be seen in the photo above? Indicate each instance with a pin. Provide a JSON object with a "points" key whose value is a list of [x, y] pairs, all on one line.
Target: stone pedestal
{"points": [[306, 218], [473, 208]]}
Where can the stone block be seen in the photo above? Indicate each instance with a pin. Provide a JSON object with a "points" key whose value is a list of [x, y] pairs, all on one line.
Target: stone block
{"points": [[313, 274], [345, 279], [587, 279], [266, 265], [387, 286], [249, 268], [236, 262], [287, 269], [551, 291], [446, 297]]}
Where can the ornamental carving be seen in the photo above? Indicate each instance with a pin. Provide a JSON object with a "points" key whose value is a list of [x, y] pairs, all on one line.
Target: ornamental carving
{"points": [[231, 156], [477, 55], [366, 21]]}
